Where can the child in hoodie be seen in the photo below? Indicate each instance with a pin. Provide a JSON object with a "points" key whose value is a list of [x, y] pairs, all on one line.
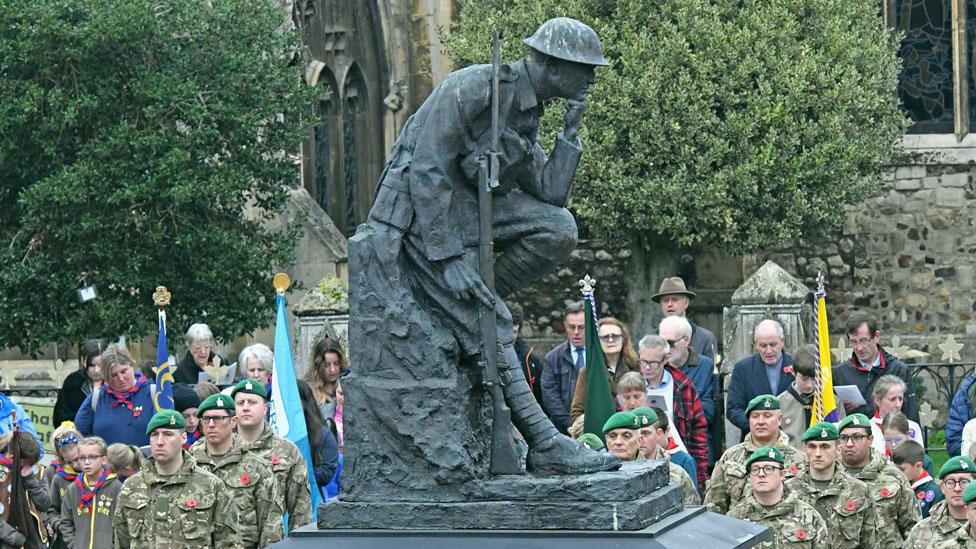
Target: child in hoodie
{"points": [[89, 504]]}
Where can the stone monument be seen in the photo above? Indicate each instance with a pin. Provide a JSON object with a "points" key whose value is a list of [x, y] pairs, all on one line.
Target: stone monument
{"points": [[468, 210], [773, 293]]}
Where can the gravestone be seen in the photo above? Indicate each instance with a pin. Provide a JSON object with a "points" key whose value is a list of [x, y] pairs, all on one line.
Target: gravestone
{"points": [[770, 293]]}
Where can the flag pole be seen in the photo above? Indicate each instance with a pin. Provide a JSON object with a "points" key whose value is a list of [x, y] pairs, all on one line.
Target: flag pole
{"points": [[163, 398]]}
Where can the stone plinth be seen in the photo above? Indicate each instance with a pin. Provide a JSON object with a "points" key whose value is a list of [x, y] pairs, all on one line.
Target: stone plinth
{"points": [[631, 498]]}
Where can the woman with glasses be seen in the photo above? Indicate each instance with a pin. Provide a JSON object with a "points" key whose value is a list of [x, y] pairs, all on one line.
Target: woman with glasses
{"points": [[199, 342], [888, 395], [80, 383], [618, 351]]}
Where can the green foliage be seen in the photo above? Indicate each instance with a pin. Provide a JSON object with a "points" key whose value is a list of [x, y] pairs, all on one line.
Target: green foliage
{"points": [[143, 143], [723, 122]]}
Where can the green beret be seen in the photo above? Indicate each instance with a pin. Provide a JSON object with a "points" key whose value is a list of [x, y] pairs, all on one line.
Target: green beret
{"points": [[821, 431], [591, 441], [621, 420], [958, 464], [252, 386], [969, 494], [645, 416], [218, 401], [855, 420], [762, 402], [167, 419], [766, 453]]}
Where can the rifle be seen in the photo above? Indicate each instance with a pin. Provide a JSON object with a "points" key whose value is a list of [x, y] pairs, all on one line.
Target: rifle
{"points": [[504, 459]]}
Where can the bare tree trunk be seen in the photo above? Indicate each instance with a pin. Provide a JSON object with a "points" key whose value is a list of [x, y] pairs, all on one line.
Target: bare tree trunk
{"points": [[651, 261]]}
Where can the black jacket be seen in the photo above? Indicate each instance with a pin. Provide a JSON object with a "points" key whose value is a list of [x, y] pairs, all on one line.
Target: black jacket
{"points": [[188, 372], [73, 391], [847, 374]]}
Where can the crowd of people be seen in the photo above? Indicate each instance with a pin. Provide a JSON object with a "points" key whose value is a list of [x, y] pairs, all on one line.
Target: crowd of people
{"points": [[209, 473], [124, 474], [862, 480]]}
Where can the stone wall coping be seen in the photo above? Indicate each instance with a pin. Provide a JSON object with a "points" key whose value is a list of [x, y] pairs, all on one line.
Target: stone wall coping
{"points": [[936, 148]]}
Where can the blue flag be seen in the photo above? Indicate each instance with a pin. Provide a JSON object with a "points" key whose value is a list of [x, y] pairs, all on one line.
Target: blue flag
{"points": [[287, 418], [163, 399]]}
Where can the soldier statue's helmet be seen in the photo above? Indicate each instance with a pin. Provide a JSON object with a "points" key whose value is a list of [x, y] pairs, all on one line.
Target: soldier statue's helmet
{"points": [[569, 40]]}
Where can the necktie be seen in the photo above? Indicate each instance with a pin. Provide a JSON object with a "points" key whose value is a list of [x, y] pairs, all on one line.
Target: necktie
{"points": [[580, 354]]}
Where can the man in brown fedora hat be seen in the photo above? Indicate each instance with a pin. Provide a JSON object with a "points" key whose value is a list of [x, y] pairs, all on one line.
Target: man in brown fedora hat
{"points": [[674, 298]]}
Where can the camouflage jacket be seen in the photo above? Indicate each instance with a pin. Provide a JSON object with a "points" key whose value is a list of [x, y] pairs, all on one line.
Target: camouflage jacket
{"points": [[940, 531], [289, 467], [253, 486], [845, 505], [894, 499], [189, 510], [677, 475], [792, 523], [730, 479]]}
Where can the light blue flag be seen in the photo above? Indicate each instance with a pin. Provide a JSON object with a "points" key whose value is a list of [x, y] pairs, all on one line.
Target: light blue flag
{"points": [[163, 399], [287, 418]]}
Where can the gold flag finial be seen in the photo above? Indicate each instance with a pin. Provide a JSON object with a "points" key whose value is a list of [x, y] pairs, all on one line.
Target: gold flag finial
{"points": [[281, 282], [161, 296]]}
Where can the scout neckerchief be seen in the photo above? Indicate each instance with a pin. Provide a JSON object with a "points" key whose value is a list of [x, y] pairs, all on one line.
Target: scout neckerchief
{"points": [[88, 494], [123, 399], [65, 471], [7, 461], [190, 439], [922, 479]]}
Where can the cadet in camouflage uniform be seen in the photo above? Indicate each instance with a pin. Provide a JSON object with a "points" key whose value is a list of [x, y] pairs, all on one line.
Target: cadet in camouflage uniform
{"points": [[894, 499], [947, 525], [730, 479], [252, 484], [173, 503], [792, 522], [969, 498], [650, 446], [285, 459], [842, 500]]}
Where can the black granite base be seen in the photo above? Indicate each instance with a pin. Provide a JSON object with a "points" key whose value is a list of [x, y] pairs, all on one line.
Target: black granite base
{"points": [[692, 527]]}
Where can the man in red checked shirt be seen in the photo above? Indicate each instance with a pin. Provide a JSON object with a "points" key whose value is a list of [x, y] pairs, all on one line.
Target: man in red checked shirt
{"points": [[251, 482]]}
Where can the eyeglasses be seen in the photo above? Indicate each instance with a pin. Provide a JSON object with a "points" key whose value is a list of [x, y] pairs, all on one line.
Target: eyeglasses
{"points": [[766, 470], [671, 342], [610, 338], [856, 439], [88, 459], [860, 342], [952, 483], [214, 419], [650, 364]]}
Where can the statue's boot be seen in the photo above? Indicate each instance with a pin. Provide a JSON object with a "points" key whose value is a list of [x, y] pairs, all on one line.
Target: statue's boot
{"points": [[550, 452]]}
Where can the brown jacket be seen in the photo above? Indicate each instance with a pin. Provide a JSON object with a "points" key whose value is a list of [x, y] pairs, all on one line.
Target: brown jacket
{"points": [[579, 395]]}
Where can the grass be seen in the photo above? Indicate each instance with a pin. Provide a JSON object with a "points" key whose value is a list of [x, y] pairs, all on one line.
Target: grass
{"points": [[937, 440]]}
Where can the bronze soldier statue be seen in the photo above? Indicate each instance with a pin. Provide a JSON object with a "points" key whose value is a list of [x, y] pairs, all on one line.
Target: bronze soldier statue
{"points": [[415, 289]]}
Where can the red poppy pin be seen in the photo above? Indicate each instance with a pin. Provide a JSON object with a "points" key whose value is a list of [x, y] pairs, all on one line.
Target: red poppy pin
{"points": [[191, 503], [792, 470], [801, 534], [885, 492], [275, 460], [920, 495], [787, 369], [850, 505], [245, 479]]}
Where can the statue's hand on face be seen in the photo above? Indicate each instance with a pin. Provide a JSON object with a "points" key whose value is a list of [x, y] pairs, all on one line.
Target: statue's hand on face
{"points": [[573, 117]]}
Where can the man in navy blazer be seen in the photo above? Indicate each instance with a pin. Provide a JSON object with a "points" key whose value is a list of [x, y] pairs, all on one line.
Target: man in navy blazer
{"points": [[768, 372], [561, 368]]}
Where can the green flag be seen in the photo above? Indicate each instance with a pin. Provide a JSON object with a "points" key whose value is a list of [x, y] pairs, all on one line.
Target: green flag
{"points": [[598, 406]]}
